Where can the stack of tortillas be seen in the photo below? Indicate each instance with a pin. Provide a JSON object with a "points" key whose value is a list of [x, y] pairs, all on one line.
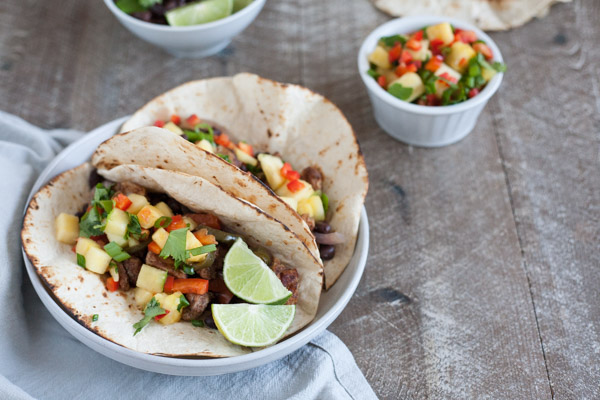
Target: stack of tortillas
{"points": [[493, 15]]}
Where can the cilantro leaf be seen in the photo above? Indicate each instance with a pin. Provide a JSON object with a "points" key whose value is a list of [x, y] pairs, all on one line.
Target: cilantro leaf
{"points": [[198, 323], [91, 223], [129, 6], [399, 91], [81, 260], [390, 41], [134, 229], [225, 157], [372, 73], [94, 317], [201, 250], [325, 200], [152, 310], [183, 302], [175, 245], [498, 66]]}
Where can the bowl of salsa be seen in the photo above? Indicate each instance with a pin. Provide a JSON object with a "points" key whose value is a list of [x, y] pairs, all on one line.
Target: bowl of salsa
{"points": [[429, 77]]}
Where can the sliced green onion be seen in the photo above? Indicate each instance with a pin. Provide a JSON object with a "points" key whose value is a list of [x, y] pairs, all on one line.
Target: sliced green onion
{"points": [[116, 252], [94, 317], [162, 222], [202, 250]]}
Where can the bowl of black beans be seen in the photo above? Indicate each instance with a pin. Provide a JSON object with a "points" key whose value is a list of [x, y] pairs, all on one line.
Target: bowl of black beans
{"points": [[183, 28]]}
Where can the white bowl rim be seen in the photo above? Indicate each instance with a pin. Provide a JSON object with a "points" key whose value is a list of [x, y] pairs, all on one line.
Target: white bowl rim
{"points": [[396, 26], [188, 366], [168, 28]]}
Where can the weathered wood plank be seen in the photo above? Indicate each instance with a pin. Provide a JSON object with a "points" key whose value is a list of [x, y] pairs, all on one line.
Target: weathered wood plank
{"points": [[549, 133]]}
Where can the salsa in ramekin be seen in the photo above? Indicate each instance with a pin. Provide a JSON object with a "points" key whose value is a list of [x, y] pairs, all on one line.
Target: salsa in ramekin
{"points": [[438, 65]]}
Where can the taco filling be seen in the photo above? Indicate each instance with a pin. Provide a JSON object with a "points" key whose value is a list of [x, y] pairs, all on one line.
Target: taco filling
{"points": [[172, 258], [302, 191]]}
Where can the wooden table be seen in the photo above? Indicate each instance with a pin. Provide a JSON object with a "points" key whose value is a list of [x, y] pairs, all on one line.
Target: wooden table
{"points": [[483, 279]]}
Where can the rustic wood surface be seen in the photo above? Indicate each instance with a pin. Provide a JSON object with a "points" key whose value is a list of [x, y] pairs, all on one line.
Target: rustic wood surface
{"points": [[483, 279]]}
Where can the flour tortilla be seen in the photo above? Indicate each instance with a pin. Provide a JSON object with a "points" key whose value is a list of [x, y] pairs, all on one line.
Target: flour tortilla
{"points": [[83, 294], [304, 127], [493, 15]]}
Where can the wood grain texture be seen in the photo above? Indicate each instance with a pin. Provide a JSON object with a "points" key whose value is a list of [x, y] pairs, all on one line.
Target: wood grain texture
{"points": [[483, 274]]}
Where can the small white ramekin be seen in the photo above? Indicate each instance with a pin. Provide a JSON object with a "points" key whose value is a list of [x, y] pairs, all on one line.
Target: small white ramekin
{"points": [[414, 124], [195, 41]]}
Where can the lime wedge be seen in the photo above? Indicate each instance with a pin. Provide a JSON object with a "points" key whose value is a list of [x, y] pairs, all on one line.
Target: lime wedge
{"points": [[250, 279], [199, 13], [239, 4], [252, 325]]}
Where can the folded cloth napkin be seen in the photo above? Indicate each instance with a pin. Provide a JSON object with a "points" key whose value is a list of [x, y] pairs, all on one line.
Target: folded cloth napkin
{"points": [[39, 359]]}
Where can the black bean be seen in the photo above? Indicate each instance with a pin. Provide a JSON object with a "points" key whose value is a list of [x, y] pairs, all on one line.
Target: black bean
{"points": [[327, 251], [322, 227], [210, 322]]}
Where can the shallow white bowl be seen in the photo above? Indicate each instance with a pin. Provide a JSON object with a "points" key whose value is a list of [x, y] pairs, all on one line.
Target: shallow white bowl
{"points": [[424, 125], [330, 306], [195, 41]]}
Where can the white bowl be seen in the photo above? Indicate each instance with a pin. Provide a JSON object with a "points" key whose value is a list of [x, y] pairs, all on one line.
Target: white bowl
{"points": [[331, 303], [424, 125], [195, 41]]}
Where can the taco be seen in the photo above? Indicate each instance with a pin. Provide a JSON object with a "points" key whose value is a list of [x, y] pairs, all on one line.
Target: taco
{"points": [[139, 256], [256, 138]]}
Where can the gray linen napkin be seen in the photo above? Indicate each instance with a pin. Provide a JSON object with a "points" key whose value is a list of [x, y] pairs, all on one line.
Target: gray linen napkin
{"points": [[39, 359]]}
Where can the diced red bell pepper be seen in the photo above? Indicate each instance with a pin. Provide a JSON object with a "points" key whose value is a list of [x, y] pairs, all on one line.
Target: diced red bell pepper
{"points": [[122, 202], [224, 141], [402, 69], [418, 35], [462, 62], [436, 46], [394, 53], [176, 119], [209, 220], [168, 288], [287, 172], [382, 81], [473, 92], [154, 247], [204, 238], [73, 248], [193, 120], [159, 123], [111, 285], [191, 285], [483, 49], [464, 36], [448, 77], [295, 186], [177, 222], [246, 148], [432, 100], [434, 63], [405, 57], [222, 292], [161, 316], [413, 44]]}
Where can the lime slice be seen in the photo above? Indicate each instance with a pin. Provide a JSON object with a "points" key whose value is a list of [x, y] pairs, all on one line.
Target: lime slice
{"points": [[250, 279], [199, 13], [252, 325], [239, 4]]}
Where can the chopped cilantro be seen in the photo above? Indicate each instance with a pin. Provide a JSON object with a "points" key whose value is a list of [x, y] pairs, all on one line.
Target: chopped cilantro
{"points": [[399, 91], [390, 41], [91, 223], [225, 157], [175, 245], [498, 66], [188, 269], [163, 222], [116, 252], [94, 317], [325, 201], [81, 260], [198, 323], [129, 6], [152, 310], [182, 303], [373, 74], [134, 229], [107, 205]]}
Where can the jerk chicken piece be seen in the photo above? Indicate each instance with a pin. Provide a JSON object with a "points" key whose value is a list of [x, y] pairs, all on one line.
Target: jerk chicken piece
{"points": [[313, 176], [289, 277], [130, 187], [165, 264], [198, 303]]}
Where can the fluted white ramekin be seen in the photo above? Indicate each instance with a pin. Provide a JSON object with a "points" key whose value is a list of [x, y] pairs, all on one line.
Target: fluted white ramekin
{"points": [[424, 125]]}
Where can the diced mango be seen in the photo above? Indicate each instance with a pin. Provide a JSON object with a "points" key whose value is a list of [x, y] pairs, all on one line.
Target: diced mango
{"points": [[84, 244], [113, 270], [137, 202], [245, 157], [441, 31], [116, 226], [205, 145], [67, 228], [411, 80], [190, 222], [170, 126], [380, 57], [423, 53], [271, 166], [142, 297], [169, 303], [148, 216], [132, 242], [488, 74], [441, 86], [160, 237], [389, 74], [313, 206], [460, 54], [191, 242], [164, 209], [97, 260], [303, 193], [290, 201]]}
